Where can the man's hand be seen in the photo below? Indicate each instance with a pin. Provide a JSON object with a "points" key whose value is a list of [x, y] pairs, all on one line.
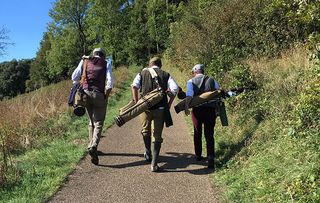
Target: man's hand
{"points": [[186, 107], [107, 93], [187, 112]]}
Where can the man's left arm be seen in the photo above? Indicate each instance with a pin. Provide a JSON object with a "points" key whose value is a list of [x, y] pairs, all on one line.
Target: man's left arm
{"points": [[109, 82]]}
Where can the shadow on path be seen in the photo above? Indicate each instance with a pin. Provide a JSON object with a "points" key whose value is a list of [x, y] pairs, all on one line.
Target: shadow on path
{"points": [[175, 162]]}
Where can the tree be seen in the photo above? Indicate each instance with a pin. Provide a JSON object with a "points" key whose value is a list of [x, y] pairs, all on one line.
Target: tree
{"points": [[158, 24], [13, 76], [67, 37], [3, 41], [71, 13], [39, 72], [64, 54], [138, 44], [108, 25]]}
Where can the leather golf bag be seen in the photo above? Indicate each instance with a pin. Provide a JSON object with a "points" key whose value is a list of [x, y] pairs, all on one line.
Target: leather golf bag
{"points": [[212, 96], [198, 100], [132, 109], [80, 101]]}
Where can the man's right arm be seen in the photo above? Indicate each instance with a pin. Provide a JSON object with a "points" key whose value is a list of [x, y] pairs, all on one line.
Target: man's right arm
{"points": [[76, 75], [135, 87], [135, 93], [189, 96]]}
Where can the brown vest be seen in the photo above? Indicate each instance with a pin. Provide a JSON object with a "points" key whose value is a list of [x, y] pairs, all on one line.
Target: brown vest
{"points": [[95, 75]]}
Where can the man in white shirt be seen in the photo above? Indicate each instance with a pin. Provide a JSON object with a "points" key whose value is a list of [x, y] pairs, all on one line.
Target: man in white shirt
{"points": [[95, 75], [155, 116]]}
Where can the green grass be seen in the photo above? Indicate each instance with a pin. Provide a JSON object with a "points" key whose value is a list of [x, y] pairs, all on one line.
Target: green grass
{"points": [[270, 150], [39, 172], [272, 167], [42, 170], [260, 158]]}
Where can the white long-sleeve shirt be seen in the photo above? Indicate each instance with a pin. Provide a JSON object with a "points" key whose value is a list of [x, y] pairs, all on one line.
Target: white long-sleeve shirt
{"points": [[172, 85], [76, 75]]}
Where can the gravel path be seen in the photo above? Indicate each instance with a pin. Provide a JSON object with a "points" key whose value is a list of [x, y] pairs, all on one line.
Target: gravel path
{"points": [[124, 176]]}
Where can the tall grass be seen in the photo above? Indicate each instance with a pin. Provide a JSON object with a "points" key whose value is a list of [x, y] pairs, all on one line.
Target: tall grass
{"points": [[33, 121], [27, 120], [259, 160]]}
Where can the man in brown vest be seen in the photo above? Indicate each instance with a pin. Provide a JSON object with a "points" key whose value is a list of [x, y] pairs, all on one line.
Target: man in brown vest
{"points": [[155, 116], [95, 75], [203, 115]]}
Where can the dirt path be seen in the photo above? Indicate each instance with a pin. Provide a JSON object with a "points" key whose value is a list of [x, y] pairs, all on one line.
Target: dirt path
{"points": [[124, 176]]}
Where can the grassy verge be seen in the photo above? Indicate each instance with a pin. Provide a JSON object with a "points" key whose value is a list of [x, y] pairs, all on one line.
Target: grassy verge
{"points": [[260, 158], [39, 171], [270, 150]]}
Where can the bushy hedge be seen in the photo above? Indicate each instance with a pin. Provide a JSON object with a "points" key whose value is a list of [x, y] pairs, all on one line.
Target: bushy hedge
{"points": [[225, 32]]}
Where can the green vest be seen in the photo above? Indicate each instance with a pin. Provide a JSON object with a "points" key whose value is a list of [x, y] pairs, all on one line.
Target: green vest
{"points": [[148, 84]]}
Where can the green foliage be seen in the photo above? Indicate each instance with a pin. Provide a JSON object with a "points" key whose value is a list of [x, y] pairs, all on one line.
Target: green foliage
{"points": [[222, 33], [72, 13], [108, 29], [307, 110], [130, 31], [13, 76], [63, 56], [158, 24], [39, 72]]}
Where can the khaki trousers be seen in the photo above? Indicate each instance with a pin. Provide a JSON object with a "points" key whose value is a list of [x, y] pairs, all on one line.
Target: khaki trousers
{"points": [[152, 122], [96, 110]]}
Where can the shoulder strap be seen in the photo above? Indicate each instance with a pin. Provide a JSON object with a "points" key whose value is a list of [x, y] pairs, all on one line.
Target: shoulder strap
{"points": [[154, 76], [84, 69], [202, 85], [152, 72], [203, 81]]}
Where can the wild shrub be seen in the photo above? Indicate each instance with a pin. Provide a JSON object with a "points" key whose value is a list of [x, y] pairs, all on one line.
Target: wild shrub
{"points": [[224, 33]]}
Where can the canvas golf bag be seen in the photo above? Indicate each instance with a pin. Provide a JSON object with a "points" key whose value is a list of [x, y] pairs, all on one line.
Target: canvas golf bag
{"points": [[132, 109]]}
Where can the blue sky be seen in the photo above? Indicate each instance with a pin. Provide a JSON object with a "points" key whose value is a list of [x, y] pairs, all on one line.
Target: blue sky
{"points": [[26, 21]]}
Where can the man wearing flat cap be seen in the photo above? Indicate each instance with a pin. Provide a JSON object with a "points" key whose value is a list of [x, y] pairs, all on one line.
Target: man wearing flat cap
{"points": [[95, 76], [153, 119], [204, 115]]}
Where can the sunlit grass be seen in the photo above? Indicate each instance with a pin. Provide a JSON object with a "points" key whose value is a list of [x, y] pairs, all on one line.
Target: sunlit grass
{"points": [[57, 142]]}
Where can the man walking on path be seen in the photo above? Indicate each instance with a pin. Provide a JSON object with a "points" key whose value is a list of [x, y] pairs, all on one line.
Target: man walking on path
{"points": [[152, 120], [202, 115], [95, 77]]}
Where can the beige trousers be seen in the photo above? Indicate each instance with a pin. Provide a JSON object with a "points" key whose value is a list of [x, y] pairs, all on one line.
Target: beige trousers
{"points": [[96, 110], [152, 122]]}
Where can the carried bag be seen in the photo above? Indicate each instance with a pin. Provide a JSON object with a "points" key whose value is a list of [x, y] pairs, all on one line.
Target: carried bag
{"points": [[80, 97], [132, 109], [204, 98], [143, 104]]}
